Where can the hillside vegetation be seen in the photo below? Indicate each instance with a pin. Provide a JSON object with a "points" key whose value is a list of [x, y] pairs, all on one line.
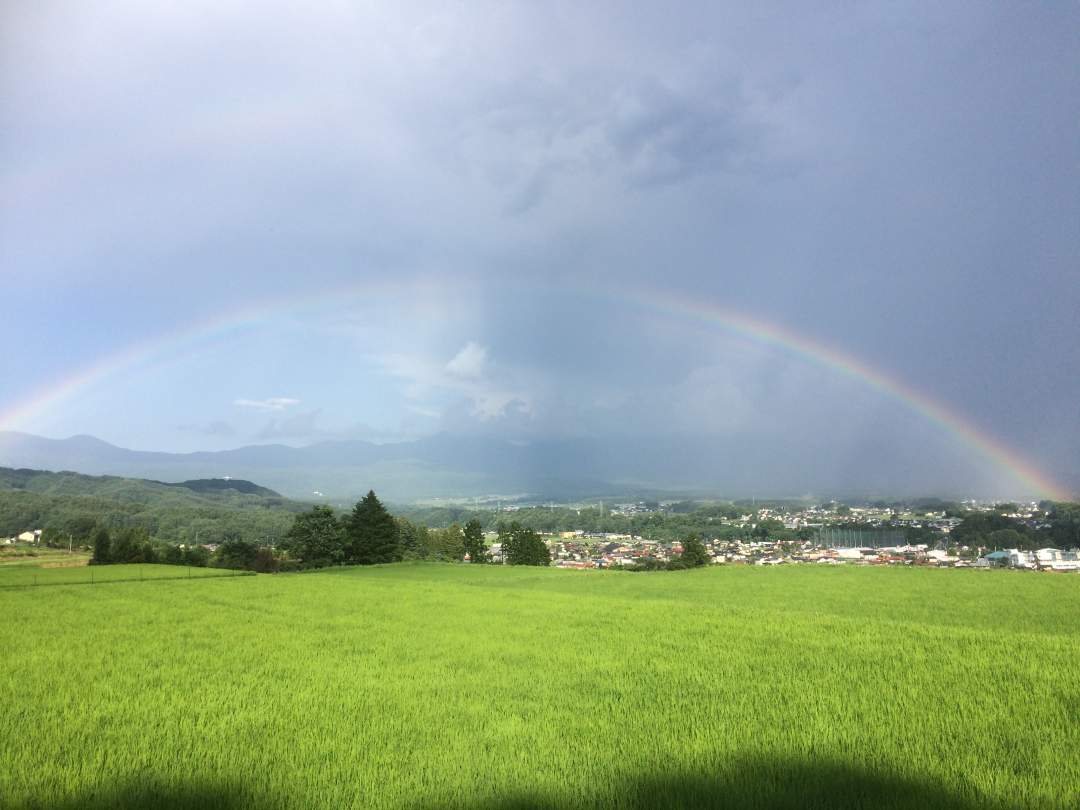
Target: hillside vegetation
{"points": [[70, 502]]}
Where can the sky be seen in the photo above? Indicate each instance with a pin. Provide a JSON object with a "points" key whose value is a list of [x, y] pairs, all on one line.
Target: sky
{"points": [[222, 225]]}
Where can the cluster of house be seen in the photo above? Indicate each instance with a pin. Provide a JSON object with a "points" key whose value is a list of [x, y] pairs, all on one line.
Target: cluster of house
{"points": [[597, 550], [1043, 559], [27, 538]]}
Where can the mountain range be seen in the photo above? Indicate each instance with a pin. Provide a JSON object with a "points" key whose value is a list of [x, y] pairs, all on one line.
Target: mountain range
{"points": [[433, 467], [563, 469]]}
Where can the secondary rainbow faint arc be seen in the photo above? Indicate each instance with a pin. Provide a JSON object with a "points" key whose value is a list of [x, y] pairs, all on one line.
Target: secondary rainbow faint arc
{"points": [[659, 302], [249, 316]]}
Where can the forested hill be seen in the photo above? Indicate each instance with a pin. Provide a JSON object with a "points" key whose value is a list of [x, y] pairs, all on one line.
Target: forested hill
{"points": [[224, 485], [71, 502]]}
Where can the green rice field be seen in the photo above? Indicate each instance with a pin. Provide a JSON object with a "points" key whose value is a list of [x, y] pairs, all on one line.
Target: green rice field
{"points": [[25, 574], [443, 686]]}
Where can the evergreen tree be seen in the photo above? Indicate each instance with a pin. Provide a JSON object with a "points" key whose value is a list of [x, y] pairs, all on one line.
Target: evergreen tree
{"points": [[316, 537], [415, 539], [102, 546], [521, 546], [371, 533], [473, 540]]}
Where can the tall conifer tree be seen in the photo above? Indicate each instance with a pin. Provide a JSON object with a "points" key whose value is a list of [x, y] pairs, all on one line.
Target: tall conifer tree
{"points": [[371, 533], [473, 541]]}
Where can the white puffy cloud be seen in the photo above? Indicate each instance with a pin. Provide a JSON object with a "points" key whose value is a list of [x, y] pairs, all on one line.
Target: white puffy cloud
{"points": [[469, 363]]}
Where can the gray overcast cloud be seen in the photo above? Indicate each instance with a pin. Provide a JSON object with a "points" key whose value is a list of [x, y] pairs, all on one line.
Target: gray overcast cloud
{"points": [[501, 185]]}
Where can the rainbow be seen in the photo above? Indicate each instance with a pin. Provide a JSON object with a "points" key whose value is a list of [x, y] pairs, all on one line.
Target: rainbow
{"points": [[705, 313], [846, 365]]}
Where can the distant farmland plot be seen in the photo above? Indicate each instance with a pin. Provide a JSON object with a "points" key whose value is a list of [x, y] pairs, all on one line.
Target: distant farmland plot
{"points": [[27, 575], [457, 686], [18, 556]]}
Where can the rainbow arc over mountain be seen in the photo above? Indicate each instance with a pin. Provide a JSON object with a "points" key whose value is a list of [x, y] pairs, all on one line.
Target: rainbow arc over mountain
{"points": [[171, 345]]}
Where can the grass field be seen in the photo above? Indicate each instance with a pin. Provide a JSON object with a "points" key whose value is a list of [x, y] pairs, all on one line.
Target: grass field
{"points": [[434, 686], [35, 557], [25, 574]]}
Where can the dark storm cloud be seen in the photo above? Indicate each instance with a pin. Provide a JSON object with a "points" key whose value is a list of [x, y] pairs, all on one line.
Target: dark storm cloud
{"points": [[639, 131], [900, 182]]}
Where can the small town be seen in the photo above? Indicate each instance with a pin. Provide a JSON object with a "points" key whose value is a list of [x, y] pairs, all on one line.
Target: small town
{"points": [[581, 550], [829, 534]]}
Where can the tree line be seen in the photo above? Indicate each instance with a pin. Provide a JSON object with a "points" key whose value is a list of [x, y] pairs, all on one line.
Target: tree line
{"points": [[133, 545], [319, 538], [370, 535], [1058, 525]]}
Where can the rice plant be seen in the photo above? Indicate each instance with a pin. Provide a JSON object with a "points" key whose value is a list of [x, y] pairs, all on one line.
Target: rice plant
{"points": [[435, 686]]}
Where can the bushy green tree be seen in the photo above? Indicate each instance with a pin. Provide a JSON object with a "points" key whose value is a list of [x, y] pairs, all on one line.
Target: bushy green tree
{"points": [[415, 540], [521, 546], [235, 552], [1063, 529], [122, 546], [371, 533], [265, 562], [978, 529], [694, 553], [472, 539], [196, 556], [770, 527], [316, 537], [648, 564], [446, 544], [132, 545], [102, 543], [1007, 538], [80, 528]]}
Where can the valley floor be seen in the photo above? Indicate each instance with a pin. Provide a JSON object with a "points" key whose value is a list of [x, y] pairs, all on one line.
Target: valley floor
{"points": [[431, 686]]}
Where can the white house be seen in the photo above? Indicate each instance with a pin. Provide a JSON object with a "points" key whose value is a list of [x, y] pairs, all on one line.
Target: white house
{"points": [[1057, 560], [851, 553], [30, 537]]}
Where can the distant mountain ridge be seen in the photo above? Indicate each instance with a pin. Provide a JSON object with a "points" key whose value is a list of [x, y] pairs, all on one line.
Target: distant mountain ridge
{"points": [[566, 469], [436, 466]]}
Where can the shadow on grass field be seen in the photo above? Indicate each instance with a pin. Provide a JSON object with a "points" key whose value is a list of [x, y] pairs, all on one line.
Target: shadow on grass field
{"points": [[754, 785], [152, 795], [751, 785], [863, 793]]}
